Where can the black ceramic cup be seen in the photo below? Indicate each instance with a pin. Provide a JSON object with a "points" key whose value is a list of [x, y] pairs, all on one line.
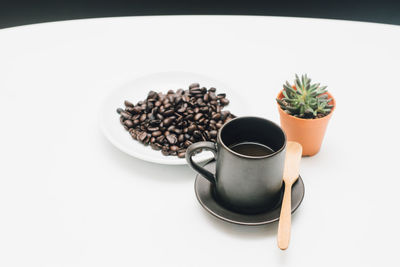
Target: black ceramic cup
{"points": [[245, 183]]}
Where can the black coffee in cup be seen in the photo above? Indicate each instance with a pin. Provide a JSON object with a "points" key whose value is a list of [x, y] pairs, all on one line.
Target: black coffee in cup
{"points": [[252, 149]]}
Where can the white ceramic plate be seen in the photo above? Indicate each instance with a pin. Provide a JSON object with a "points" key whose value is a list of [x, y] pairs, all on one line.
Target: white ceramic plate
{"points": [[137, 90]]}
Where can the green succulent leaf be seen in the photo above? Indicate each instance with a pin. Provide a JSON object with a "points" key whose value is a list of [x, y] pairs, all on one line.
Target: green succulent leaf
{"points": [[307, 100]]}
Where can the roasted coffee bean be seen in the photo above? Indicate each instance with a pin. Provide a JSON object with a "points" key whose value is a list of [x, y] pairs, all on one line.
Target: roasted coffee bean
{"points": [[193, 85], [165, 152], [128, 104], [224, 101], [181, 138], [125, 115], [142, 136], [137, 109], [147, 140], [154, 146], [187, 143], [153, 129], [156, 133], [154, 123], [178, 131], [192, 128], [172, 139], [151, 94], [204, 110], [212, 96], [197, 134], [228, 119], [188, 117], [167, 122], [224, 114], [196, 92], [169, 112], [220, 96], [128, 123], [181, 110], [212, 89], [119, 110], [143, 117], [174, 148], [216, 116], [213, 133], [133, 133], [198, 116], [160, 139], [171, 98], [159, 146], [181, 154]]}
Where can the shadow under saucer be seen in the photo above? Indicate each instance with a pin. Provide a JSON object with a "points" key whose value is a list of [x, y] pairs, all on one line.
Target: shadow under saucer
{"points": [[204, 193]]}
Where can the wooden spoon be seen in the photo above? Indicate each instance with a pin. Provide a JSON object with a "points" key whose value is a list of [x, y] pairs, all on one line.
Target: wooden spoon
{"points": [[290, 175]]}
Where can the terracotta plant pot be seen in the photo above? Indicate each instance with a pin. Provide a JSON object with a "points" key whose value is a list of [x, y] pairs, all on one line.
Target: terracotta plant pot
{"points": [[308, 132]]}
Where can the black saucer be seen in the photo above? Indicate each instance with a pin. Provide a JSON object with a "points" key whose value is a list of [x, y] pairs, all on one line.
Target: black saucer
{"points": [[203, 189]]}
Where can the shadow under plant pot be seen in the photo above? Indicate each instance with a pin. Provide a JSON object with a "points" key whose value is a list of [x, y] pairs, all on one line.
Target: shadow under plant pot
{"points": [[308, 132]]}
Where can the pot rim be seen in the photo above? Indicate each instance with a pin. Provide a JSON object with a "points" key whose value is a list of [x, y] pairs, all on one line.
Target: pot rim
{"points": [[301, 119]]}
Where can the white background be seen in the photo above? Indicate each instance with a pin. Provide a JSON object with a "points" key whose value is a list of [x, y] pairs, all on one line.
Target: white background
{"points": [[69, 198]]}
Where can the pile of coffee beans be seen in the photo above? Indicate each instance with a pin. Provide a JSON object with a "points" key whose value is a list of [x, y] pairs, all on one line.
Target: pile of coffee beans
{"points": [[172, 122]]}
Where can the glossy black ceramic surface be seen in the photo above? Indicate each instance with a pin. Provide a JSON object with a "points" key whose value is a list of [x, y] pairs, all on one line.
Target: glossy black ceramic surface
{"points": [[206, 196], [245, 184]]}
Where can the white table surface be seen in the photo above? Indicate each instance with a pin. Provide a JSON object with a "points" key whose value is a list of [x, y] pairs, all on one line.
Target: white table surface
{"points": [[69, 198]]}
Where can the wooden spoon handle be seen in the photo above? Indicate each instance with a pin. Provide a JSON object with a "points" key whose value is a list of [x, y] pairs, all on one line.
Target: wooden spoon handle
{"points": [[285, 219]]}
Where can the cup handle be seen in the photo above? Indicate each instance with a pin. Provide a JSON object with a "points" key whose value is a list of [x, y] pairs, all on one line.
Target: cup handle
{"points": [[192, 149]]}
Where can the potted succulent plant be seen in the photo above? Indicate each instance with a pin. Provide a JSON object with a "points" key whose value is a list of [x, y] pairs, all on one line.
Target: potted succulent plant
{"points": [[305, 110]]}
